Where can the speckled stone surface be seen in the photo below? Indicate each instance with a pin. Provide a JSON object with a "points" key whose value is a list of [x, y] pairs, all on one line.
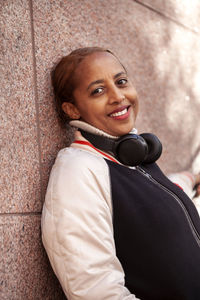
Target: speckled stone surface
{"points": [[163, 61], [184, 11], [20, 177], [25, 271], [161, 57]]}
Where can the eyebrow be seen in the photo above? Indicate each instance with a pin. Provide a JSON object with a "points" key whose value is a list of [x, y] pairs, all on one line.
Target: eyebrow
{"points": [[119, 74], [101, 80]]}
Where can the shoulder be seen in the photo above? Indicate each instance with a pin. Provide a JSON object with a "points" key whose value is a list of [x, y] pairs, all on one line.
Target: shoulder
{"points": [[77, 174], [73, 160], [79, 185]]}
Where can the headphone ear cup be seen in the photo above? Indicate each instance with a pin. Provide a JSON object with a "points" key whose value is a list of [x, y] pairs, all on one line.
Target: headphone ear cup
{"points": [[154, 147], [131, 150]]}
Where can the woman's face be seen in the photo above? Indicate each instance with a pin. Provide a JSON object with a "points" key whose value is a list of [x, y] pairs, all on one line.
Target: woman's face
{"points": [[104, 96]]}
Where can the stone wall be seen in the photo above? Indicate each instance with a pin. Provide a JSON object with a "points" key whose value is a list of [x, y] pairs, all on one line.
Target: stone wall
{"points": [[159, 43]]}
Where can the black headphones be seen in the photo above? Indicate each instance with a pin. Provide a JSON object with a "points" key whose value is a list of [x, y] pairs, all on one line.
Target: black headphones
{"points": [[129, 149]]}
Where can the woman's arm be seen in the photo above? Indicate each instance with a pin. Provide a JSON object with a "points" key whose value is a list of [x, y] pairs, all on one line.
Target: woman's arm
{"points": [[77, 229], [187, 181]]}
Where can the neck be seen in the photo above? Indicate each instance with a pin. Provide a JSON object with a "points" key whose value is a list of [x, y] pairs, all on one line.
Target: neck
{"points": [[91, 129]]}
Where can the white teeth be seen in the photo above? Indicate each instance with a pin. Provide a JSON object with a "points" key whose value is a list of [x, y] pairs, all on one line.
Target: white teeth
{"points": [[119, 113]]}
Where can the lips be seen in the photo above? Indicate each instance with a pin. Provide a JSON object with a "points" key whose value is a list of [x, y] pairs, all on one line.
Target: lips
{"points": [[123, 111], [119, 111]]}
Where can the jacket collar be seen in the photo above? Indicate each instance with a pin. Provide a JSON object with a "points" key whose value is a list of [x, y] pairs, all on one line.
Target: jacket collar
{"points": [[82, 143]]}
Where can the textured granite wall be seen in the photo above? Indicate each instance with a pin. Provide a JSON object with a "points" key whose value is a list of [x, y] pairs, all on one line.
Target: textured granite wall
{"points": [[159, 43]]}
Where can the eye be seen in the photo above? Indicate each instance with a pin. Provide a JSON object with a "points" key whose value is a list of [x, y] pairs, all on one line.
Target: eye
{"points": [[122, 81], [98, 90]]}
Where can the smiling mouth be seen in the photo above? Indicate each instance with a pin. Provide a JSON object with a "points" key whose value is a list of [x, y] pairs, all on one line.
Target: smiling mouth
{"points": [[119, 113]]}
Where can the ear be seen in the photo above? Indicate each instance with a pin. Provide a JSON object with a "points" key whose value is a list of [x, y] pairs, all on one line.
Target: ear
{"points": [[71, 110]]}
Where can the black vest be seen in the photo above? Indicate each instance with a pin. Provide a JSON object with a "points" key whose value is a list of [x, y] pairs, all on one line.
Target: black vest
{"points": [[157, 234]]}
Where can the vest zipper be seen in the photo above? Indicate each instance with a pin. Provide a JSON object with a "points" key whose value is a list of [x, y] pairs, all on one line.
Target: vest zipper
{"points": [[192, 226]]}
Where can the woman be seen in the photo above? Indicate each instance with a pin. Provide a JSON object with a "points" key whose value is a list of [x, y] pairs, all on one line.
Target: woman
{"points": [[111, 230]]}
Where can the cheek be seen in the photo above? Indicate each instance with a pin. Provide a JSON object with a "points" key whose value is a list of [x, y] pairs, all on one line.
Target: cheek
{"points": [[88, 112], [97, 108]]}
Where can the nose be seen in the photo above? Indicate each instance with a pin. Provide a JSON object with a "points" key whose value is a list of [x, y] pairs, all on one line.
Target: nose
{"points": [[115, 95]]}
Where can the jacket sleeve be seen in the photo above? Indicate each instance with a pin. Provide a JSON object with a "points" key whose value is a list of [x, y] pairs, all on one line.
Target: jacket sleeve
{"points": [[186, 180], [77, 230]]}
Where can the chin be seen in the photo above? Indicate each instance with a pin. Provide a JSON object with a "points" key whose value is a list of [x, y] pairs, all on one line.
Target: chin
{"points": [[120, 132], [124, 131]]}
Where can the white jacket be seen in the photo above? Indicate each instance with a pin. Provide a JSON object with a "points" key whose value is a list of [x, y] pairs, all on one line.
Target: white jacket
{"points": [[77, 229]]}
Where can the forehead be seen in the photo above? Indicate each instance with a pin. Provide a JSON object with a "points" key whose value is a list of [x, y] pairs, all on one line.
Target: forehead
{"points": [[97, 66]]}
